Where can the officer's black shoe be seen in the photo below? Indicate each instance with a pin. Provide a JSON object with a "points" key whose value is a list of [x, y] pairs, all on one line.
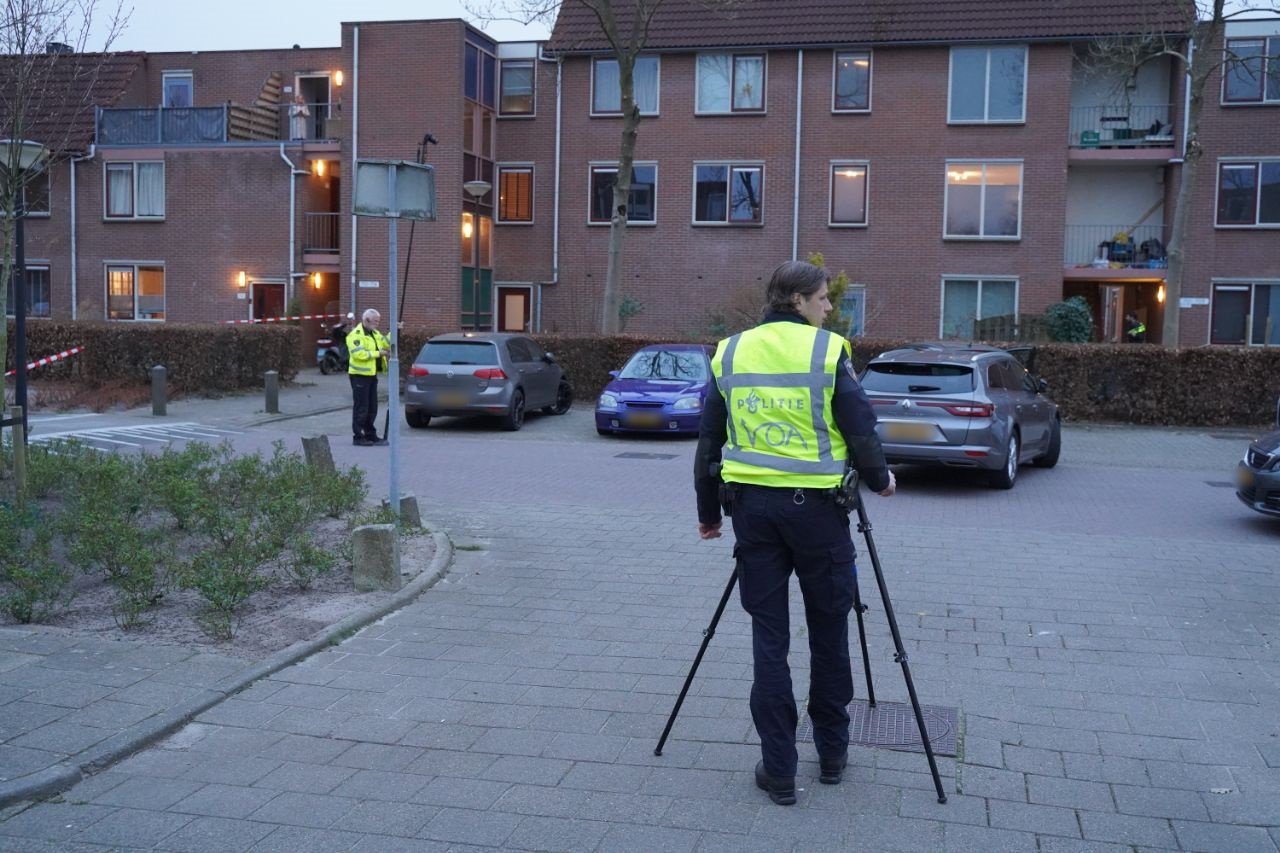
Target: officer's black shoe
{"points": [[361, 441], [378, 442], [782, 790], [831, 770]]}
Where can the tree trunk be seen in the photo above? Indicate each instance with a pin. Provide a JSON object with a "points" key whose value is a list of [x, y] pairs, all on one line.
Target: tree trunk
{"points": [[611, 321], [6, 275]]}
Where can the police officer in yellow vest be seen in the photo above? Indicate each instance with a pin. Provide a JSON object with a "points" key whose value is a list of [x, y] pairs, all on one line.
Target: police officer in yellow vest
{"points": [[368, 351], [789, 413]]}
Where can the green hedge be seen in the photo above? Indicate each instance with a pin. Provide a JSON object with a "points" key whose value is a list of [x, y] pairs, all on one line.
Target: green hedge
{"points": [[198, 357]]}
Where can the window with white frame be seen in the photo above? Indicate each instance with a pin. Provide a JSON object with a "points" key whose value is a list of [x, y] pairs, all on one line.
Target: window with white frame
{"points": [[728, 194], [730, 83], [178, 89], [1246, 313], [134, 190], [1249, 193], [515, 194], [988, 85], [37, 292], [35, 193], [984, 200], [606, 86], [1251, 73], [967, 300], [515, 87], [641, 201], [849, 193], [853, 310], [135, 292], [851, 82]]}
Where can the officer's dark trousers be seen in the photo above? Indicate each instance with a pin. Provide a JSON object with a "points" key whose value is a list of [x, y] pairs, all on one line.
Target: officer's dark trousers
{"points": [[779, 531], [364, 406]]}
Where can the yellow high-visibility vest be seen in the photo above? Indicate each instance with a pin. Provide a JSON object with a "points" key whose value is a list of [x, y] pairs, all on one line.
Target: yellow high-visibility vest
{"points": [[778, 380], [363, 357]]}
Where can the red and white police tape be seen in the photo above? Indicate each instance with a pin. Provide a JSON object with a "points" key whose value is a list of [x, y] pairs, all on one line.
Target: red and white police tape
{"points": [[49, 359], [283, 319]]}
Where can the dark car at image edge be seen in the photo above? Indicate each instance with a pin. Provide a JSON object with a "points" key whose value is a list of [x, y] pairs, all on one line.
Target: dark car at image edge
{"points": [[1258, 473]]}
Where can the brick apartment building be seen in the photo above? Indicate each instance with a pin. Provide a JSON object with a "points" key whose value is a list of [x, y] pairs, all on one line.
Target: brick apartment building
{"points": [[957, 160]]}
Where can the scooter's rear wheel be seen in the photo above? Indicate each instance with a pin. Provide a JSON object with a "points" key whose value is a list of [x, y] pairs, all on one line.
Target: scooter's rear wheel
{"points": [[329, 364]]}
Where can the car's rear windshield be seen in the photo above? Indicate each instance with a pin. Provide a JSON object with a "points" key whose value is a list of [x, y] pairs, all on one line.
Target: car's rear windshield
{"points": [[458, 352], [896, 377], [678, 365]]}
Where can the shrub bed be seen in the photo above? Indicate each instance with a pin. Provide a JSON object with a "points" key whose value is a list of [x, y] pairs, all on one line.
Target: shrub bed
{"points": [[198, 357]]}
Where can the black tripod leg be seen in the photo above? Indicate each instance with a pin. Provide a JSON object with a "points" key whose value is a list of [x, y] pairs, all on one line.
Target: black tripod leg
{"points": [[900, 654], [859, 608], [706, 640]]}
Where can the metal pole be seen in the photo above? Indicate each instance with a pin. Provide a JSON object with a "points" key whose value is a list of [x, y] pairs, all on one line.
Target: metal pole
{"points": [[393, 363], [20, 310], [475, 282]]}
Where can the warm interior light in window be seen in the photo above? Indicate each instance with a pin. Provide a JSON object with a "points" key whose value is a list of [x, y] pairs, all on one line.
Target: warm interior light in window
{"points": [[862, 63], [315, 280], [1160, 294], [318, 167], [850, 173], [467, 228], [963, 174]]}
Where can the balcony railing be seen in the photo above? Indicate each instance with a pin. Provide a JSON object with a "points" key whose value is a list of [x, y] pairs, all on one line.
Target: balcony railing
{"points": [[1097, 246], [320, 233], [162, 126], [1132, 126], [206, 125]]}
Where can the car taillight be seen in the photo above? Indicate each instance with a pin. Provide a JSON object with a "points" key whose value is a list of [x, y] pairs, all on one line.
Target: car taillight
{"points": [[490, 373], [416, 370], [964, 410]]}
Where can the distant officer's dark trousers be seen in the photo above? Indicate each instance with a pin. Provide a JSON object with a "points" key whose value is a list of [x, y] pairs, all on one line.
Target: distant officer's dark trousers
{"points": [[364, 406], [779, 531]]}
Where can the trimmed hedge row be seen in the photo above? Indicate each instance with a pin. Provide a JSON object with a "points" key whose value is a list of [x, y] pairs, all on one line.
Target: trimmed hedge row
{"points": [[1128, 383], [198, 357]]}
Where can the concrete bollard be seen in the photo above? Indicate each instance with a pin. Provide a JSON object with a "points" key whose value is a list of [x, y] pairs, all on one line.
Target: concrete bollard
{"points": [[316, 450], [159, 394], [409, 515], [376, 554], [272, 382]]}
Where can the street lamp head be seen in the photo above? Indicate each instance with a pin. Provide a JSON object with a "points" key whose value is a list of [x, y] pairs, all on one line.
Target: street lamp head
{"points": [[25, 153], [476, 189]]}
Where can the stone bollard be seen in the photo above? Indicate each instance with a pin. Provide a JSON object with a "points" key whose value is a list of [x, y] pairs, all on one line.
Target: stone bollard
{"points": [[272, 382], [376, 555], [316, 450], [409, 515], [159, 395]]}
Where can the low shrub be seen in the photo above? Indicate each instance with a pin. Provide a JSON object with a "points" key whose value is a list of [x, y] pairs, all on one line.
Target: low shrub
{"points": [[33, 585]]}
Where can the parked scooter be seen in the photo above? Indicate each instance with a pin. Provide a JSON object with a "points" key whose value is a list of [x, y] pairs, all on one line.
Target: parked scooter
{"points": [[331, 352]]}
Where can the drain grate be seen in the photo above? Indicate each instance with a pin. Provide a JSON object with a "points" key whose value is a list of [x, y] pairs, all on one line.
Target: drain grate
{"points": [[634, 455], [892, 725], [1220, 484]]}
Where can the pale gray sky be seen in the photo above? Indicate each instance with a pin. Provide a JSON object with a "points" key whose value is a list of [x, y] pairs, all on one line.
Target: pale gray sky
{"points": [[165, 25]]}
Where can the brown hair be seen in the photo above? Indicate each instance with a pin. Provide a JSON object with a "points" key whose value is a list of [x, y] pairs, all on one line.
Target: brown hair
{"points": [[789, 279]]}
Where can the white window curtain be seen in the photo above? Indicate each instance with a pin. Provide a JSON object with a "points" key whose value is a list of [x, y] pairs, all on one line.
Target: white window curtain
{"points": [[607, 96], [713, 83], [150, 189], [749, 83], [645, 79], [120, 190]]}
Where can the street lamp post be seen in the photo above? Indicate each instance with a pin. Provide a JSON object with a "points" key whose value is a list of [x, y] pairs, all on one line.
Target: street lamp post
{"points": [[28, 155], [477, 190]]}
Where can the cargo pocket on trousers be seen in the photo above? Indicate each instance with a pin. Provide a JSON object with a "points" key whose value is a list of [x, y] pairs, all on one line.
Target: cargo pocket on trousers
{"points": [[842, 576]]}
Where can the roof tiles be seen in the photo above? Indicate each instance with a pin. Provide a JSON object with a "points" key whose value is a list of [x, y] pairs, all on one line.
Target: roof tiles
{"points": [[65, 89]]}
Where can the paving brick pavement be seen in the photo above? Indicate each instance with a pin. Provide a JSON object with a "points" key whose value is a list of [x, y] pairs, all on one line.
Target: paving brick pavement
{"points": [[1114, 664]]}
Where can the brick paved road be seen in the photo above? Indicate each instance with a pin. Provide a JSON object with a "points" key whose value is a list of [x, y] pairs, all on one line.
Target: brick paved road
{"points": [[1107, 630]]}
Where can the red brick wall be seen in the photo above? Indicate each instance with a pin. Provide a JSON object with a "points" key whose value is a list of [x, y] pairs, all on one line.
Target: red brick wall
{"points": [[233, 75]]}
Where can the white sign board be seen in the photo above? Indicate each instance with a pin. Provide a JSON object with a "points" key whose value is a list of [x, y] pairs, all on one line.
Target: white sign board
{"points": [[364, 283], [1192, 301]]}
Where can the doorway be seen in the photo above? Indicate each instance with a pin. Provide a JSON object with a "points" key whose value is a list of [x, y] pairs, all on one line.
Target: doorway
{"points": [[267, 300], [515, 307], [314, 89]]}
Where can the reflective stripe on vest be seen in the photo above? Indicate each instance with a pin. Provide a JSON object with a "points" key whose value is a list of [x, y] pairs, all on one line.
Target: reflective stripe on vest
{"points": [[818, 381]]}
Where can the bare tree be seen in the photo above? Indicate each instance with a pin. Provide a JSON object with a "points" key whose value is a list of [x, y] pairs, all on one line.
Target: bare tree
{"points": [[47, 88], [1198, 53], [624, 24]]}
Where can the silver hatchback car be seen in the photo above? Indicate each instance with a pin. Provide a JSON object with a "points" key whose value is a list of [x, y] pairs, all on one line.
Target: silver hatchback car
{"points": [[484, 373], [962, 405]]}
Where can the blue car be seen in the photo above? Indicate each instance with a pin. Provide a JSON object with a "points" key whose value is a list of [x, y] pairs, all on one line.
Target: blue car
{"points": [[661, 389]]}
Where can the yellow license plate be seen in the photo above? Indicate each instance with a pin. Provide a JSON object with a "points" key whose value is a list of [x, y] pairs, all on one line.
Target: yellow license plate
{"points": [[453, 398], [1244, 478], [644, 419], [908, 432]]}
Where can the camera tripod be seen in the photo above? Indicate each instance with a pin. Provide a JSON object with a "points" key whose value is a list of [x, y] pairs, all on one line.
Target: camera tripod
{"points": [[900, 654]]}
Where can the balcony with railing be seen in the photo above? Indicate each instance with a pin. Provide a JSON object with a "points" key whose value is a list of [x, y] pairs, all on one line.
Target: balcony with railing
{"points": [[1115, 251], [320, 234], [1121, 131], [229, 123]]}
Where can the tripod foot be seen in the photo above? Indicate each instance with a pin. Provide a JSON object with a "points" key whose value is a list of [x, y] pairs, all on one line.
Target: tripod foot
{"points": [[943, 799], [658, 751]]}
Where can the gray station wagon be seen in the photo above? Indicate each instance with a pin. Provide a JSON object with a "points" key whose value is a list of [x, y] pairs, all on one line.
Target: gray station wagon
{"points": [[1258, 473], [962, 405], [484, 373]]}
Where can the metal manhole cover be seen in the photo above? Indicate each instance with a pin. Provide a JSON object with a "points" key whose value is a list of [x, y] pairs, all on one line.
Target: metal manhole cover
{"points": [[1220, 484], [892, 725], [633, 455]]}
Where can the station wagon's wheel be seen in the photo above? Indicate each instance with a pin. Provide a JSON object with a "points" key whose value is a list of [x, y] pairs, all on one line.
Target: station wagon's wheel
{"points": [[564, 400], [514, 418], [1050, 457], [1005, 477], [416, 419]]}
